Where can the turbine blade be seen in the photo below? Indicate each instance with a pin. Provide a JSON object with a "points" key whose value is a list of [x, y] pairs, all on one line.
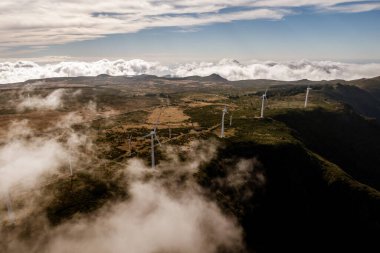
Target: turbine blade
{"points": [[147, 135], [159, 143]]}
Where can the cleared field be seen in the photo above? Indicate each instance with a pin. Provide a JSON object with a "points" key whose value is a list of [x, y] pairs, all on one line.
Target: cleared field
{"points": [[171, 114]]}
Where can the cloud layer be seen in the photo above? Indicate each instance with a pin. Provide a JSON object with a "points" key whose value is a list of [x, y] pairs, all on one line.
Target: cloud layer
{"points": [[25, 156], [229, 69], [164, 214], [153, 221], [167, 211], [40, 23]]}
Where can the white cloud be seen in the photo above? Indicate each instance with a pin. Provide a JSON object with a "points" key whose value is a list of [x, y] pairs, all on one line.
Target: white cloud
{"points": [[153, 221], [24, 70], [50, 102], [47, 22], [287, 71], [167, 211], [363, 7], [229, 69], [160, 216], [24, 157]]}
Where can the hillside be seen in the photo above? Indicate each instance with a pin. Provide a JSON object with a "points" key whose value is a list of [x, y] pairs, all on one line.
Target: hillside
{"points": [[283, 178]]}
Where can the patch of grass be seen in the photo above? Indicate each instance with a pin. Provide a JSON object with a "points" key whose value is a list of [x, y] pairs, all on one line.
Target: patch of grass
{"points": [[84, 193]]}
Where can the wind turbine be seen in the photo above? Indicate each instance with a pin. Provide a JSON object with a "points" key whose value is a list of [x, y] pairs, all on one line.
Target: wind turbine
{"points": [[307, 96], [263, 99], [70, 166], [153, 135], [223, 114], [129, 145], [11, 214]]}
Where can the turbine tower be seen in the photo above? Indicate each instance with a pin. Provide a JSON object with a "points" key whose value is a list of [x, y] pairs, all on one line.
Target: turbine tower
{"points": [[307, 96], [263, 99], [11, 214], [70, 166], [153, 135], [129, 145], [224, 113]]}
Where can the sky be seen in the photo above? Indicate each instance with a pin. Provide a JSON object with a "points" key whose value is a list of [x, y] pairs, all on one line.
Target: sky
{"points": [[174, 31]]}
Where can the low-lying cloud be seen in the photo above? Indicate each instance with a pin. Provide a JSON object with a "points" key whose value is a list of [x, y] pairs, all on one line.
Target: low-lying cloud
{"points": [[153, 221], [166, 213], [229, 69], [165, 209], [26, 155], [51, 102]]}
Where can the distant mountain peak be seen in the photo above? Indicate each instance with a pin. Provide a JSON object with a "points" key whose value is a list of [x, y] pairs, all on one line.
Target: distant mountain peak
{"points": [[103, 75], [216, 78]]}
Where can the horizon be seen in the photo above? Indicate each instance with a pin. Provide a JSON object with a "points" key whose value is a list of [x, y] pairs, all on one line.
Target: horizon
{"points": [[229, 69]]}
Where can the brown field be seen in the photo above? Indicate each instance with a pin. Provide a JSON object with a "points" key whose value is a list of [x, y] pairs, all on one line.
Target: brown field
{"points": [[167, 115]]}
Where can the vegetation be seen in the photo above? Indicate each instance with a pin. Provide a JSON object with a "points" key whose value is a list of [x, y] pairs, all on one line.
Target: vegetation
{"points": [[314, 176]]}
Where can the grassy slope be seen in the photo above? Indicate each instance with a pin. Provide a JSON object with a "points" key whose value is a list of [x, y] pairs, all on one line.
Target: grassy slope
{"points": [[304, 191], [342, 137]]}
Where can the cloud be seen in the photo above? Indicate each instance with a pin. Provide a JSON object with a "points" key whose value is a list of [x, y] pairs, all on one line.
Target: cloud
{"points": [[50, 102], [153, 221], [24, 70], [355, 7], [49, 22], [167, 211], [25, 157], [229, 69], [287, 71], [26, 154]]}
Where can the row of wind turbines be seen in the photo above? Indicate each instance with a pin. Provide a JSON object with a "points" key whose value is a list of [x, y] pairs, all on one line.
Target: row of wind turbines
{"points": [[153, 133], [264, 100]]}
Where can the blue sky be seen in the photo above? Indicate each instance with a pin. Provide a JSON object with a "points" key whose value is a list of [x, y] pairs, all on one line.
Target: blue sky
{"points": [[344, 31]]}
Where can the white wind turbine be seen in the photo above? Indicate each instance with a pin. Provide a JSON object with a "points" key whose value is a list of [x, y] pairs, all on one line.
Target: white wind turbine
{"points": [[307, 96], [11, 214], [129, 145], [263, 99], [223, 114], [70, 166], [153, 136]]}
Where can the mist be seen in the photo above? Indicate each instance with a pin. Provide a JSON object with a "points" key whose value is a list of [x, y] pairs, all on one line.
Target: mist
{"points": [[164, 210], [52, 101], [153, 220]]}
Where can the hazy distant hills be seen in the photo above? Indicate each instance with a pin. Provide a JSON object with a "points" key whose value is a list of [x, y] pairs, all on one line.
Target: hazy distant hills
{"points": [[363, 95]]}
